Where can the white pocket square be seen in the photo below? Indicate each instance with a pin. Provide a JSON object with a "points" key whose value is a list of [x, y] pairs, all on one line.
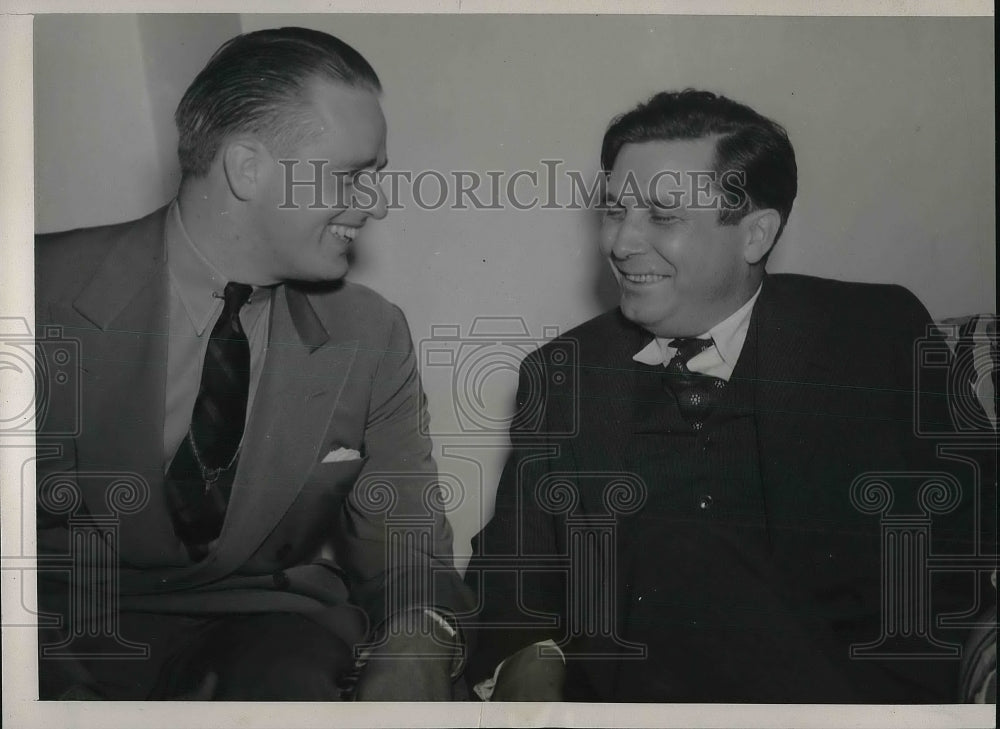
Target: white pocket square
{"points": [[341, 454]]}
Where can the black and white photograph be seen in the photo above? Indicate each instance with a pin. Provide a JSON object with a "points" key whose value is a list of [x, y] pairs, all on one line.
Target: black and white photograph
{"points": [[555, 367]]}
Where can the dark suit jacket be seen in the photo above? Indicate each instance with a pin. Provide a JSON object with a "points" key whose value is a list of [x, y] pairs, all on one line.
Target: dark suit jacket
{"points": [[339, 372], [732, 604]]}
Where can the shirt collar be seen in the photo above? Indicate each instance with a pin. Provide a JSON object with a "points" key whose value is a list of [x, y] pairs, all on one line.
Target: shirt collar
{"points": [[197, 282], [728, 335]]}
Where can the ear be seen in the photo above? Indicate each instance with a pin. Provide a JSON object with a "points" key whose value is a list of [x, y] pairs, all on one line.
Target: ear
{"points": [[760, 228], [242, 162]]}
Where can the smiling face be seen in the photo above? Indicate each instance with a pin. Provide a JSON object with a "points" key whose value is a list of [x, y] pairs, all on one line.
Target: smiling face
{"points": [[294, 237], [679, 270]]}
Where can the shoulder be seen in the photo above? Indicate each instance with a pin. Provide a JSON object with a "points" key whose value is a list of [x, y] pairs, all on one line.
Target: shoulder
{"points": [[796, 284], [880, 320], [842, 300], [602, 338], [51, 246], [66, 260], [355, 310]]}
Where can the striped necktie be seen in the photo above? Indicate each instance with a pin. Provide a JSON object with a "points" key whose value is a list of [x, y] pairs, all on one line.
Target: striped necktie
{"points": [[200, 476]]}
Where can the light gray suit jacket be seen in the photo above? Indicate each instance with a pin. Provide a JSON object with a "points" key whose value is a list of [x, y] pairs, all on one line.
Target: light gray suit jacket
{"points": [[339, 372]]}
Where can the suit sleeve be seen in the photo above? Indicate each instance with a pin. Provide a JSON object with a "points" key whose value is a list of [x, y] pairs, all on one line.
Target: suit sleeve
{"points": [[514, 604], [934, 394], [397, 545], [953, 532], [57, 413]]}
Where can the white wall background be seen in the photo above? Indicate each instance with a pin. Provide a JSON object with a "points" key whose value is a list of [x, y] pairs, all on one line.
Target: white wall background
{"points": [[892, 121]]}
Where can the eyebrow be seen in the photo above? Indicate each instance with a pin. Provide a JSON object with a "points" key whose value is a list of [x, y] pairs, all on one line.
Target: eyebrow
{"points": [[364, 165]]}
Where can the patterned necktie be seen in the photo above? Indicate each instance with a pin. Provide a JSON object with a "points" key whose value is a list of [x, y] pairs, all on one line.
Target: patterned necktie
{"points": [[201, 474], [696, 394]]}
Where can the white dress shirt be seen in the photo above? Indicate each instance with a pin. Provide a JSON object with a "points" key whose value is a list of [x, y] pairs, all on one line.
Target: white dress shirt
{"points": [[195, 304], [728, 336]]}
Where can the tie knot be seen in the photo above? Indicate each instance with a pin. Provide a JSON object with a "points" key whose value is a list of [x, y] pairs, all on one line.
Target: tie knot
{"points": [[235, 296], [689, 347]]}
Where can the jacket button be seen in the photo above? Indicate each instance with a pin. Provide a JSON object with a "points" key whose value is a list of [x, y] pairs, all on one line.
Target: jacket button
{"points": [[281, 581], [706, 502]]}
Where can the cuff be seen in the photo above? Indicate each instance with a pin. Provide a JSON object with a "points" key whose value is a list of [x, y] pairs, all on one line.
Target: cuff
{"points": [[484, 689], [445, 629]]}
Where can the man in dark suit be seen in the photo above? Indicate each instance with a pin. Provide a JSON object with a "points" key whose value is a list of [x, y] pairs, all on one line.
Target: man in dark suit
{"points": [[247, 420], [721, 417]]}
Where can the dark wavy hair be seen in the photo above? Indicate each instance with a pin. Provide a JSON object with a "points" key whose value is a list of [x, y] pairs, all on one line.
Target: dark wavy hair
{"points": [[748, 143], [255, 83]]}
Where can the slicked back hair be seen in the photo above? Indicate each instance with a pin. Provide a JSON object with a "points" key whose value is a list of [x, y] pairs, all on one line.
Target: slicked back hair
{"points": [[256, 83], [747, 143]]}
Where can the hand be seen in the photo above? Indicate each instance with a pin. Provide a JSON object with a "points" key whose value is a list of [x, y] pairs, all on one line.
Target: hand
{"points": [[527, 676], [418, 670]]}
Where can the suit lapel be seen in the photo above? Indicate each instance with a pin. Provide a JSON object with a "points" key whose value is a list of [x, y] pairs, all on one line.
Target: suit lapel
{"points": [[610, 381], [792, 382], [131, 273], [305, 371], [122, 382]]}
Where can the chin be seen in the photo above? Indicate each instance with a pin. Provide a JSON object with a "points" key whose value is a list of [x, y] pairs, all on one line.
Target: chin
{"points": [[317, 276], [331, 271], [332, 277], [651, 321], [634, 313]]}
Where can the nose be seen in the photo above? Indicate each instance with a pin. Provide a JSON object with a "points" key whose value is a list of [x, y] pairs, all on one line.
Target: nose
{"points": [[380, 208], [629, 238], [372, 201]]}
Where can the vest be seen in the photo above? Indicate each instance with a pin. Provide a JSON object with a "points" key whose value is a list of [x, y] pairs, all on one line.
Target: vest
{"points": [[709, 477]]}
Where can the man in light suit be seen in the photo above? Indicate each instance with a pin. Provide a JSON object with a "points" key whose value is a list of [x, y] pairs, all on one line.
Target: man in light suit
{"points": [[246, 417], [722, 415]]}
